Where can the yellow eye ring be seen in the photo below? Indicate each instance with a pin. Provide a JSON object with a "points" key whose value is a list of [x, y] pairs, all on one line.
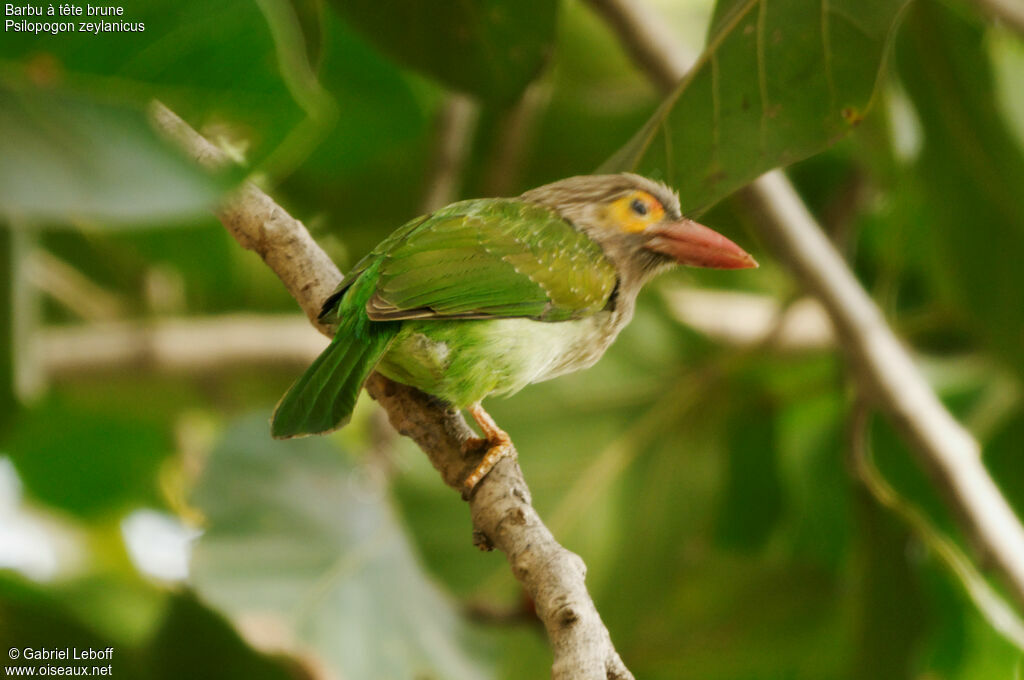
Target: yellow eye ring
{"points": [[635, 212]]}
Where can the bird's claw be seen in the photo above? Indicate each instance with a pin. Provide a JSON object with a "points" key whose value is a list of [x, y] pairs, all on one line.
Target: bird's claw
{"points": [[498, 444], [495, 452]]}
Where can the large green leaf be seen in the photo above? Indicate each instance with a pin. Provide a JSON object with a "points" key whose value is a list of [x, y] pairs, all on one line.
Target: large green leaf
{"points": [[778, 81], [65, 158], [751, 498], [380, 110], [86, 460], [490, 48], [299, 538], [890, 613]]}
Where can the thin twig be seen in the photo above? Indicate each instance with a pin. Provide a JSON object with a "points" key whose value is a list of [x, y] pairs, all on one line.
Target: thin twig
{"points": [[187, 345], [456, 122], [72, 289], [500, 506], [880, 363], [515, 133], [748, 319]]}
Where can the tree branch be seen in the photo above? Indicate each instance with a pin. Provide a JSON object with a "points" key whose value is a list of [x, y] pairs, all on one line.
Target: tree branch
{"points": [[648, 39], [502, 514], [881, 365], [203, 345], [188, 345], [752, 319]]}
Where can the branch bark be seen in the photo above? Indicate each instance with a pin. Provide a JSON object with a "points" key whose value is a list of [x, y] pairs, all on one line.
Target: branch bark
{"points": [[501, 509], [881, 365]]}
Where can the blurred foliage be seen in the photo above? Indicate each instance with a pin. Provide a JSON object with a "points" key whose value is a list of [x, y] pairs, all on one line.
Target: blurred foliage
{"points": [[969, 149], [704, 482], [97, 461], [298, 543], [489, 48], [67, 158]]}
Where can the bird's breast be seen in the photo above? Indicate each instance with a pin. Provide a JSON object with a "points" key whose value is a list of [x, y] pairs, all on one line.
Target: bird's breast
{"points": [[464, 361], [577, 344]]}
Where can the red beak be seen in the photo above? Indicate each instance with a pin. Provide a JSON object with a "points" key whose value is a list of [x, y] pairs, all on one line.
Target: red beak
{"points": [[695, 245]]}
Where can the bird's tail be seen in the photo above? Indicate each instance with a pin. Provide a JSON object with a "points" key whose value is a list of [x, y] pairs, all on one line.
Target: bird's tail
{"points": [[323, 398]]}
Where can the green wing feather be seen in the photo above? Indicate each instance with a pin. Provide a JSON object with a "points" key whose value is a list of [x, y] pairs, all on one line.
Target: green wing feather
{"points": [[492, 258], [475, 259], [323, 398]]}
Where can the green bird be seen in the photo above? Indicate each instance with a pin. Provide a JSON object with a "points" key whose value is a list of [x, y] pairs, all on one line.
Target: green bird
{"points": [[486, 296]]}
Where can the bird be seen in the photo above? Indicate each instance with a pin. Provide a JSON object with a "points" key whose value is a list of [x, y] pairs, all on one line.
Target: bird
{"points": [[486, 296]]}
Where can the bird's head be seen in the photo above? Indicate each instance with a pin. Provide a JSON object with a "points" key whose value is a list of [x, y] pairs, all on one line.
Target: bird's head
{"points": [[638, 222]]}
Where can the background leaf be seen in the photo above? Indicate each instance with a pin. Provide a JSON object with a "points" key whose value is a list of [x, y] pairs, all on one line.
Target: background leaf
{"points": [[490, 48], [65, 158], [969, 152], [298, 536], [88, 461]]}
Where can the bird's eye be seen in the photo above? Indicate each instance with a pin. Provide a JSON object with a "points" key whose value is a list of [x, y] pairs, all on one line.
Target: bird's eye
{"points": [[638, 206]]}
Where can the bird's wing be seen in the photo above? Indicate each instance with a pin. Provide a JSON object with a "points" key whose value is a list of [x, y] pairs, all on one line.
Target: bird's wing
{"points": [[490, 258]]}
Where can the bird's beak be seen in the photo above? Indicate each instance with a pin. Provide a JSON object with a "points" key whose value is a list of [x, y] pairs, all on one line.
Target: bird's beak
{"points": [[695, 245]]}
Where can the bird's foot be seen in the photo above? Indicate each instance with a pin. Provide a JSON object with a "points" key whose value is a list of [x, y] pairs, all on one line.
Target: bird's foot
{"points": [[497, 441]]}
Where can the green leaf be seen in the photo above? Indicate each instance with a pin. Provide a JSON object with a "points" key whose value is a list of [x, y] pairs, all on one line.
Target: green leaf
{"points": [[751, 501], [969, 173], [299, 538], [88, 461], [380, 111], [815, 485], [489, 48], [888, 599], [66, 158], [778, 81]]}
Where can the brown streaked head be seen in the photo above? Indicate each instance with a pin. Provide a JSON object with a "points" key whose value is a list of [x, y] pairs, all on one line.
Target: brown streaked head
{"points": [[639, 221]]}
